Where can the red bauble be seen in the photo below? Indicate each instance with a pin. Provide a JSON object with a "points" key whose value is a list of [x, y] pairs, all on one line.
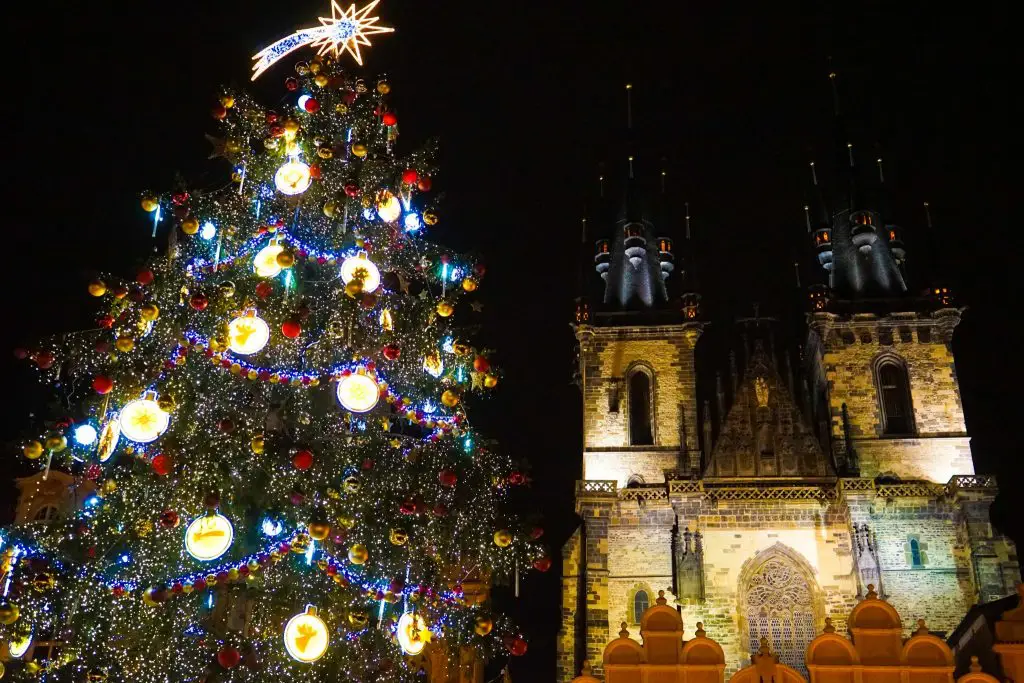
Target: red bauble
{"points": [[226, 425], [105, 321], [391, 352], [517, 478], [480, 269], [447, 478], [199, 302], [144, 277], [302, 460], [409, 176], [315, 172], [228, 657], [389, 119], [169, 519], [120, 291], [352, 190], [407, 507], [291, 328], [537, 532], [179, 198], [271, 118], [291, 84], [312, 106], [516, 646], [219, 112], [424, 184], [93, 472], [162, 464], [102, 384], [44, 359], [542, 564], [264, 289], [481, 364], [20, 353]]}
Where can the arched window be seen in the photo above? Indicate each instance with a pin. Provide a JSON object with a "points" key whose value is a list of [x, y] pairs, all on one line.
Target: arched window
{"points": [[641, 602], [47, 513], [640, 432], [779, 606], [894, 396], [915, 551]]}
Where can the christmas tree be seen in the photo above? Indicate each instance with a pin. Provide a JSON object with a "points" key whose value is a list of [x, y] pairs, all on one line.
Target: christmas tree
{"points": [[267, 428]]}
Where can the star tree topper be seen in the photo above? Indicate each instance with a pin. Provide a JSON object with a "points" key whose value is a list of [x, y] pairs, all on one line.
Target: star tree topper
{"points": [[344, 31]]}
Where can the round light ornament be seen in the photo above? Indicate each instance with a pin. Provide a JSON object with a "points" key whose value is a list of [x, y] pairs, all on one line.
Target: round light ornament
{"points": [[109, 436], [17, 648], [413, 634], [143, 420], [358, 393], [360, 268], [388, 207], [306, 637], [248, 334], [209, 537], [265, 264], [293, 178]]}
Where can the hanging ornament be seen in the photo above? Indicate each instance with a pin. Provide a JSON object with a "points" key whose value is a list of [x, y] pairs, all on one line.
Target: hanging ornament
{"points": [[150, 204], [483, 625], [398, 537], [162, 464], [306, 637], [97, 288], [209, 537], [109, 436], [358, 554], [265, 263], [359, 149], [409, 176], [9, 613], [228, 657], [413, 634], [469, 284], [169, 519], [248, 334], [542, 564], [291, 328], [292, 178], [388, 207], [360, 269], [102, 384], [318, 531], [143, 420], [516, 646], [432, 364], [386, 322], [257, 444], [302, 460], [445, 309], [450, 398], [33, 450], [502, 538], [358, 393], [17, 648], [190, 225], [358, 618]]}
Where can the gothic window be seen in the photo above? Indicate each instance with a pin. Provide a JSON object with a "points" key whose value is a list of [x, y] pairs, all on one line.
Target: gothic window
{"points": [[47, 513], [640, 413], [779, 606], [641, 602], [894, 395], [915, 552]]}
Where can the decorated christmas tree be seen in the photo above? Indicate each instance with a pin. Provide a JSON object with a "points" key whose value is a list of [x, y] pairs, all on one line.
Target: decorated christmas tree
{"points": [[267, 429]]}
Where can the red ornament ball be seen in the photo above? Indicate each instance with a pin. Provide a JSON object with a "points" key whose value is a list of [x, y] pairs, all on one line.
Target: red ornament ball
{"points": [[162, 464], [481, 364], [20, 353], [424, 184], [228, 657], [226, 425], [144, 277], [409, 176], [169, 519], [105, 321], [291, 84], [516, 646], [102, 384], [179, 198], [352, 190], [447, 478], [312, 106], [302, 460], [44, 359], [291, 328], [389, 119], [391, 352], [537, 532], [271, 118], [199, 302], [264, 289], [315, 172], [480, 269], [542, 564], [219, 112]]}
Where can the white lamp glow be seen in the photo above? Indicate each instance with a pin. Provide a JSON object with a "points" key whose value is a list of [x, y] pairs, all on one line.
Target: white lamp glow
{"points": [[85, 435], [209, 537], [389, 208], [360, 266], [358, 393], [293, 178], [265, 263], [247, 334], [143, 420], [305, 636]]}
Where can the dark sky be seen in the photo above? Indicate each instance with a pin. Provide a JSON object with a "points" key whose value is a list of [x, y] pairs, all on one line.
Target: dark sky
{"points": [[109, 99]]}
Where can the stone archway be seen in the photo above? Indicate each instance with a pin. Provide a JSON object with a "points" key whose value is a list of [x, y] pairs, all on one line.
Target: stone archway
{"points": [[779, 600]]}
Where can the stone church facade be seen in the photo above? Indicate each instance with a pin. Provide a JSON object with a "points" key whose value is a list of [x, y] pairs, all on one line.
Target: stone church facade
{"points": [[767, 500]]}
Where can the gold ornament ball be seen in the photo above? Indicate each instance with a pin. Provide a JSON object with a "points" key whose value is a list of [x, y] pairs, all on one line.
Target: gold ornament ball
{"points": [[227, 101], [430, 218], [469, 284], [32, 450], [398, 537], [257, 444], [166, 403], [150, 204], [352, 484], [490, 381], [9, 613], [149, 312], [346, 521], [358, 554], [358, 618], [503, 538], [97, 288], [190, 225], [291, 126], [315, 66], [449, 398], [483, 625], [124, 344], [227, 289], [354, 288], [325, 153], [143, 528], [2, 670], [96, 676], [109, 486], [300, 544], [359, 149], [331, 209], [445, 309], [55, 442], [286, 259], [321, 80], [319, 530], [43, 582], [383, 87], [341, 108]]}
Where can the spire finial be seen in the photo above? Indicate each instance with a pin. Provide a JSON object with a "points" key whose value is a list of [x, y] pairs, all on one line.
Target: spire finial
{"points": [[835, 90], [975, 665], [663, 174], [881, 174], [796, 269], [807, 217], [630, 166], [922, 629], [814, 174], [629, 106], [686, 205], [600, 184], [829, 628], [927, 215], [872, 595], [624, 633], [661, 598], [849, 152], [700, 632]]}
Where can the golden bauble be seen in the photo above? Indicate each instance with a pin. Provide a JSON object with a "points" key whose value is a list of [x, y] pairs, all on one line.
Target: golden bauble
{"points": [[291, 126], [315, 66], [43, 581], [143, 528], [383, 87], [9, 613], [124, 344], [149, 312], [227, 289], [96, 676], [166, 403], [352, 484], [97, 288], [354, 288], [331, 208], [346, 521], [359, 149], [398, 537], [358, 554], [469, 284], [449, 398], [503, 538], [55, 442], [321, 80], [300, 544], [490, 381], [227, 101], [32, 450], [319, 530], [150, 204], [190, 225], [341, 108], [445, 309], [358, 618], [109, 486], [483, 625], [286, 259], [257, 444], [430, 218], [325, 153]]}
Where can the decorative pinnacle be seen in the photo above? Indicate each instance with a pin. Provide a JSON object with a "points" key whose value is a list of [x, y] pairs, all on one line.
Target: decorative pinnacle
{"points": [[624, 633], [922, 630], [872, 595], [829, 628], [700, 632], [975, 665], [661, 598]]}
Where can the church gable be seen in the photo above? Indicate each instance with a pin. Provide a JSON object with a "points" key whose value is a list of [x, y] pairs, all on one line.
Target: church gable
{"points": [[764, 434]]}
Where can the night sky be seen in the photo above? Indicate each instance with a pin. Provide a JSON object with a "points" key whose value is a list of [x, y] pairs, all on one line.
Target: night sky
{"points": [[111, 99]]}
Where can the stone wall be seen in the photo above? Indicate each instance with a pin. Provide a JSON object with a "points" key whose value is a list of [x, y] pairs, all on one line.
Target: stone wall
{"points": [[932, 459], [639, 557], [621, 465], [571, 576]]}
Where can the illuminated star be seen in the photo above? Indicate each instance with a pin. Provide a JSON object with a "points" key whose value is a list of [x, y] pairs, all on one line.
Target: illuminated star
{"points": [[344, 31], [477, 306]]}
